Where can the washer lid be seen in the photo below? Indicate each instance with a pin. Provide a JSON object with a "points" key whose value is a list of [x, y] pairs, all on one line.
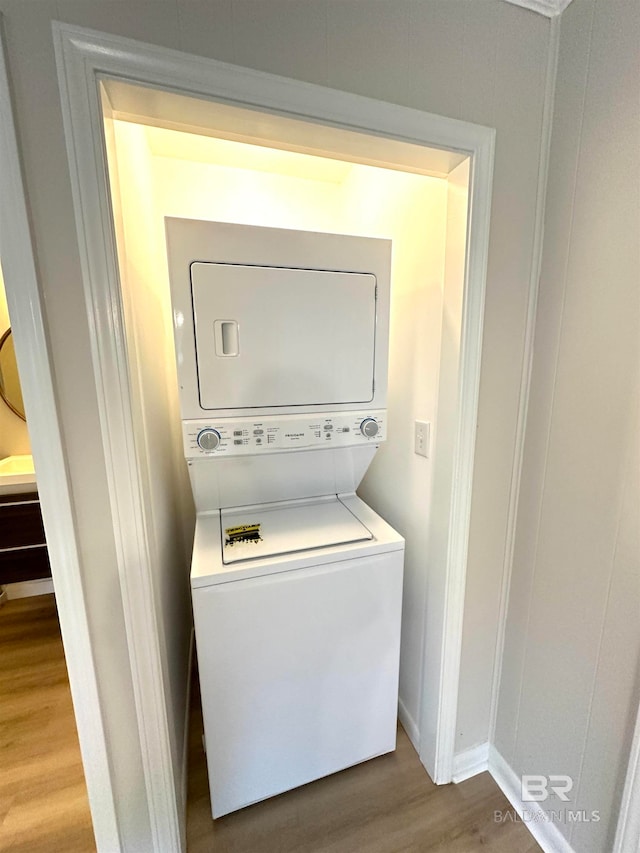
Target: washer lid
{"points": [[267, 530]]}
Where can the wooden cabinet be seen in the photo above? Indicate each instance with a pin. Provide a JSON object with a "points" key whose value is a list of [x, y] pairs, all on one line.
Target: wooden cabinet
{"points": [[23, 549]]}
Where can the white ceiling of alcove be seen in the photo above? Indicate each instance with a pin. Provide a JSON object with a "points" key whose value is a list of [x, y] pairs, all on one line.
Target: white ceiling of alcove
{"points": [[178, 145], [198, 116]]}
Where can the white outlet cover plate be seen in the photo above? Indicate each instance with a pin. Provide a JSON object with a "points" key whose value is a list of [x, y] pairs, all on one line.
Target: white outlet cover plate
{"points": [[422, 438]]}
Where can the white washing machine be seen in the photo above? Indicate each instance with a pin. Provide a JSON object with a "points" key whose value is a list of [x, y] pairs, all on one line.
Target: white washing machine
{"points": [[281, 344]]}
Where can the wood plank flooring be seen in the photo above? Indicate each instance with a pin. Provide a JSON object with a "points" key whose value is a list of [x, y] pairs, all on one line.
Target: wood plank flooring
{"points": [[388, 805], [43, 797]]}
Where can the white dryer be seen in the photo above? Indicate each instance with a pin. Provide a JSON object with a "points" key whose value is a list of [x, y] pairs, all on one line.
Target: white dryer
{"points": [[281, 344]]}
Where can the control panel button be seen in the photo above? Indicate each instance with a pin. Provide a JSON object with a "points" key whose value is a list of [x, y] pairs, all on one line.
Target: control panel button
{"points": [[208, 439], [369, 427]]}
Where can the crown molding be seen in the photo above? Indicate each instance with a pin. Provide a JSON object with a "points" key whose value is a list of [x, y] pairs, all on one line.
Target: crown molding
{"points": [[548, 8]]}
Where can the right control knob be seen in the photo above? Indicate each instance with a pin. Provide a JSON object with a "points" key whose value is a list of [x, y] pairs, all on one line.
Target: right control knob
{"points": [[369, 427]]}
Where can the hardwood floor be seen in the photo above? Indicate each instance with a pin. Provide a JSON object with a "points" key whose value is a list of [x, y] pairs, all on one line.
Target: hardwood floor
{"points": [[387, 805], [43, 798]]}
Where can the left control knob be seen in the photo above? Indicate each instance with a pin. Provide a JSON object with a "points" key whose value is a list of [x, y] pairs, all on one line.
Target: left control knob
{"points": [[208, 439]]}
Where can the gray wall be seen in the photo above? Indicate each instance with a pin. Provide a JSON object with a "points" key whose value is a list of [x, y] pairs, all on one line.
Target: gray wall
{"points": [[570, 679], [480, 61]]}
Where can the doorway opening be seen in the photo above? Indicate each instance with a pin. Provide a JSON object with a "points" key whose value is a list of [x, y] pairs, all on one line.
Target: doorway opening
{"points": [[24, 563], [89, 64], [41, 761], [174, 155]]}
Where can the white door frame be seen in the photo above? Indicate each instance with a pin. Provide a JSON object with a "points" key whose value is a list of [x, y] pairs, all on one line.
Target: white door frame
{"points": [[36, 378], [84, 55], [627, 838]]}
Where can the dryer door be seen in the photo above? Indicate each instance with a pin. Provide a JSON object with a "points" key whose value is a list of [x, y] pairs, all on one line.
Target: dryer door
{"points": [[268, 337]]}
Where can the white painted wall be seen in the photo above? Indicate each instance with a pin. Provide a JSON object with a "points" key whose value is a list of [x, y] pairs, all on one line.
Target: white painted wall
{"points": [[199, 190], [482, 62], [570, 689], [14, 436], [399, 483]]}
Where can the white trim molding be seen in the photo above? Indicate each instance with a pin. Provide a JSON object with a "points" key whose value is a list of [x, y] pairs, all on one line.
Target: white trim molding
{"points": [[409, 725], [470, 762], [79, 62], [442, 678], [627, 838], [548, 8], [83, 57], [546, 833], [36, 378]]}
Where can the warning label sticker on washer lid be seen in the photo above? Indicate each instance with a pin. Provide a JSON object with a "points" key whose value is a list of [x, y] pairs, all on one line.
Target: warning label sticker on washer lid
{"points": [[242, 533]]}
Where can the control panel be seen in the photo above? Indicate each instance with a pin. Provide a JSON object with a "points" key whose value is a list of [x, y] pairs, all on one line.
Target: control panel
{"points": [[244, 436]]}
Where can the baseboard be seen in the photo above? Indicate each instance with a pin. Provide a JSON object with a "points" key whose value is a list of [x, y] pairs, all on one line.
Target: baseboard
{"points": [[409, 725], [545, 832], [3, 596], [25, 589], [470, 762]]}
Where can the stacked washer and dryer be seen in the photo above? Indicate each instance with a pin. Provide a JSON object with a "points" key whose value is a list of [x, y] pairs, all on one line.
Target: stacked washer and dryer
{"points": [[282, 347]]}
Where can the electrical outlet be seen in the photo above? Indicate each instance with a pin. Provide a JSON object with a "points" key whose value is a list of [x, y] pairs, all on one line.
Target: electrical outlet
{"points": [[422, 438]]}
